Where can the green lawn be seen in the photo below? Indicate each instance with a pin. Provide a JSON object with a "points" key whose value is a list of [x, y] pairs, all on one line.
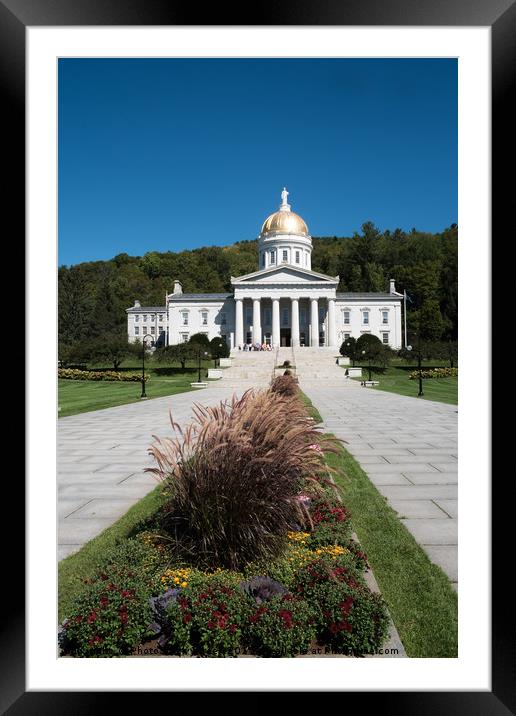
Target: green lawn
{"points": [[395, 379], [80, 396]]}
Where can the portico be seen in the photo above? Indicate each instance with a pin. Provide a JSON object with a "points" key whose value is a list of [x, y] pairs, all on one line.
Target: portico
{"points": [[299, 319]]}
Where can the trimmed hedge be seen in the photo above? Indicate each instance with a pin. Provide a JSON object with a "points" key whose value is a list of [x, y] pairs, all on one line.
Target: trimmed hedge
{"points": [[76, 374], [435, 373]]}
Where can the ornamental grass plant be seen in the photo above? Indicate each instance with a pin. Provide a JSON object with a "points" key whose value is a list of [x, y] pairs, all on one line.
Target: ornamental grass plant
{"points": [[233, 477]]}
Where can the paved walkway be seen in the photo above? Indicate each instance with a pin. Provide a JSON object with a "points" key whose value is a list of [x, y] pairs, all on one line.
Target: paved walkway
{"points": [[408, 448], [101, 458]]}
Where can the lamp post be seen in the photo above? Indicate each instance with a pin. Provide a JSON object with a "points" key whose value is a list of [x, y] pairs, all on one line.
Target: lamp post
{"points": [[363, 353], [205, 353], [348, 346], [420, 393], [147, 335]]}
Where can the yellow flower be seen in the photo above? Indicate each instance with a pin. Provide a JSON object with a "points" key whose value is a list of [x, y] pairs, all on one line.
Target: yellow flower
{"points": [[184, 584]]}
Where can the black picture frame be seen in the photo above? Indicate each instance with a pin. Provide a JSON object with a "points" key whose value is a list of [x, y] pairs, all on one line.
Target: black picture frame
{"points": [[15, 17]]}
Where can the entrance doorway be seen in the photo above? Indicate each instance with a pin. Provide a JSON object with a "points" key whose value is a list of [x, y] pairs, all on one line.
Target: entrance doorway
{"points": [[285, 337]]}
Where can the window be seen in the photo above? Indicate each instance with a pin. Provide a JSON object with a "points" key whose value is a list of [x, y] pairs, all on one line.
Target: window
{"points": [[321, 315], [204, 318], [298, 257], [145, 330], [137, 318], [385, 338], [249, 315], [248, 337], [184, 337], [284, 256], [153, 330], [365, 317], [273, 257], [145, 319], [161, 330], [223, 320], [268, 316], [137, 330], [346, 315], [302, 316], [161, 317], [385, 317], [284, 317], [346, 336], [184, 318]]}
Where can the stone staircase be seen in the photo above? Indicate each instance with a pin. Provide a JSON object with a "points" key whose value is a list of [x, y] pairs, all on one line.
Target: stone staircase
{"points": [[254, 369], [319, 365], [249, 369]]}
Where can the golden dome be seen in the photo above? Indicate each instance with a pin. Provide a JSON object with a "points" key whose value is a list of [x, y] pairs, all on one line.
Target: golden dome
{"points": [[284, 222]]}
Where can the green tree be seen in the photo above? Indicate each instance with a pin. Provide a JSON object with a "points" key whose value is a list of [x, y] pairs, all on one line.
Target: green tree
{"points": [[219, 348], [371, 349], [178, 353], [75, 305], [201, 340], [348, 348], [113, 348]]}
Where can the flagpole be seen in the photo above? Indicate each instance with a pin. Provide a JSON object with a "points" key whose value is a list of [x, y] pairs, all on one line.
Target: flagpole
{"points": [[405, 314]]}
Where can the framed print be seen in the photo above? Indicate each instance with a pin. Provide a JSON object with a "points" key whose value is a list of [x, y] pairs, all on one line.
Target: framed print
{"points": [[257, 250]]}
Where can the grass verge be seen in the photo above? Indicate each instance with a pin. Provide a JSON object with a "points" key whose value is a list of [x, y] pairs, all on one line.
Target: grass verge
{"points": [[421, 600], [74, 569], [395, 379], [310, 407]]}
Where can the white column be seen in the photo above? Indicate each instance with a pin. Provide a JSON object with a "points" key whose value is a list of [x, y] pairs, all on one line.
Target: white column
{"points": [[295, 322], [239, 322], [314, 322], [275, 322], [257, 323], [332, 338]]}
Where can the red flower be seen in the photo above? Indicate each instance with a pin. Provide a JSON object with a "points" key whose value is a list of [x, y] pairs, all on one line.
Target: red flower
{"points": [[92, 617], [232, 628], [104, 601], [286, 616], [187, 618], [346, 605], [127, 593]]}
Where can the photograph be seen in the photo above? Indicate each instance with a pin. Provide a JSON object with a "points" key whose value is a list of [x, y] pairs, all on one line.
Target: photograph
{"points": [[257, 357]]}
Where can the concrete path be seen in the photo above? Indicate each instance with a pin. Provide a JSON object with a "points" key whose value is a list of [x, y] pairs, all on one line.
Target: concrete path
{"points": [[101, 458], [408, 448]]}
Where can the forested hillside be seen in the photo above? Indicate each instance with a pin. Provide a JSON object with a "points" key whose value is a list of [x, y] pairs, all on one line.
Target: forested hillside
{"points": [[93, 296]]}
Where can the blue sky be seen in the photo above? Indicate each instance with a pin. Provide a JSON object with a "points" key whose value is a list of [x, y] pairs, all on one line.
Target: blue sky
{"points": [[166, 155]]}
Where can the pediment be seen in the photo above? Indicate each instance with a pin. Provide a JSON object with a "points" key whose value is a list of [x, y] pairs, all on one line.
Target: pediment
{"points": [[285, 275]]}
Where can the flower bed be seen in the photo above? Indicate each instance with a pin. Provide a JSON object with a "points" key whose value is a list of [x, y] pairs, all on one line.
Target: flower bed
{"points": [[76, 374], [435, 373], [252, 551]]}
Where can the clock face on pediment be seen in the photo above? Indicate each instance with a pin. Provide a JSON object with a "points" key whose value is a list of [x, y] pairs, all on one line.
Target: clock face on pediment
{"points": [[285, 275]]}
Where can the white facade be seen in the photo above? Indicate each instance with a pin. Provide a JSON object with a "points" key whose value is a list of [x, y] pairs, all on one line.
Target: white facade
{"points": [[284, 302]]}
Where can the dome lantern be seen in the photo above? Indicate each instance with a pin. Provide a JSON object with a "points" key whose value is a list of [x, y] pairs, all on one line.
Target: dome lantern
{"points": [[284, 238]]}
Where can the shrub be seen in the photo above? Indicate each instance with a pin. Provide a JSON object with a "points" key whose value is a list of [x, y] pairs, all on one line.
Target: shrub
{"points": [[281, 627], [111, 616], [435, 373], [76, 374], [349, 618], [284, 385], [233, 476], [328, 533], [327, 511], [207, 619]]}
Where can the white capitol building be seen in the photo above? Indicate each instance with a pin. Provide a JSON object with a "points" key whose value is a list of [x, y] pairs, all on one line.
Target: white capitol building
{"points": [[283, 303]]}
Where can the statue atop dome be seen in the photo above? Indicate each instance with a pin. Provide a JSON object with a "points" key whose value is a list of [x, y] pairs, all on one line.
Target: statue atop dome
{"points": [[284, 195]]}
